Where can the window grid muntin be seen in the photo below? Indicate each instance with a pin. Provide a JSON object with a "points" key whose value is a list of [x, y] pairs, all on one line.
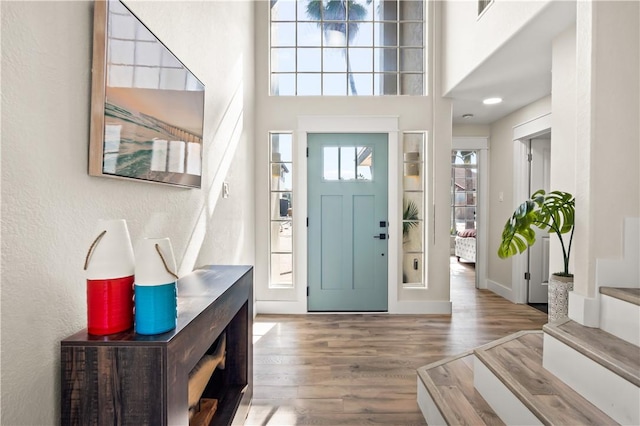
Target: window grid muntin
{"points": [[398, 73]]}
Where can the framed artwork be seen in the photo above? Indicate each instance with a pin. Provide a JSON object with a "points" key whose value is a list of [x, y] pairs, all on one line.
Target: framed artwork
{"points": [[147, 108]]}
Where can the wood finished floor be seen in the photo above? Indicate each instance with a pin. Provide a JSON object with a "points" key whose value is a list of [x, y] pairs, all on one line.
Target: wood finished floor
{"points": [[339, 369]]}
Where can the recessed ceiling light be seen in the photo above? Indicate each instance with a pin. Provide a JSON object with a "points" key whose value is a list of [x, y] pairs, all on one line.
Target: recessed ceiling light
{"points": [[492, 101], [467, 116]]}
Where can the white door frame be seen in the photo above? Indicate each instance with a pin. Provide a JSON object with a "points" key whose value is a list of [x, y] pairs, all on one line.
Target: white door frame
{"points": [[480, 144], [343, 124], [521, 135]]}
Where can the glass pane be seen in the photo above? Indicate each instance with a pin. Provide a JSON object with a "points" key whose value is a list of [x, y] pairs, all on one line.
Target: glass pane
{"points": [[385, 34], [360, 11], [335, 37], [413, 144], [283, 10], [309, 34], [281, 205], [309, 84], [281, 176], [330, 163], [412, 180], [334, 84], [347, 163], [412, 234], [385, 60], [385, 10], [412, 268], [281, 240], [363, 84], [412, 84], [465, 157], [365, 163], [309, 11], [281, 269], [465, 218], [283, 34], [361, 59], [283, 84], [411, 60], [281, 147], [412, 206], [411, 34], [411, 10], [334, 60], [283, 60], [385, 84], [363, 34], [309, 60]]}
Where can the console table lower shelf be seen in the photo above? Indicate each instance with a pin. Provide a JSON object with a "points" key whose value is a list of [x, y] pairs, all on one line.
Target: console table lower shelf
{"points": [[131, 379]]}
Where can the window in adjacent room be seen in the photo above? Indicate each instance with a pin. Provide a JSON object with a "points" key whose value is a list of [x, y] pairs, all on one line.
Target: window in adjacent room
{"points": [[347, 47], [464, 189]]}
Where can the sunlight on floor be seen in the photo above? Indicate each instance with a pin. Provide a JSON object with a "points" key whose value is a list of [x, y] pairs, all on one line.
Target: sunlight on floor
{"points": [[260, 329]]}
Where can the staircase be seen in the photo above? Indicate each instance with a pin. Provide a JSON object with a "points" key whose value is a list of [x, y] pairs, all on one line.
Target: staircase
{"points": [[565, 374]]}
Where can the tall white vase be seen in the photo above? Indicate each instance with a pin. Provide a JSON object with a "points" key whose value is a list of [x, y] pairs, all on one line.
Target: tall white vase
{"points": [[109, 267]]}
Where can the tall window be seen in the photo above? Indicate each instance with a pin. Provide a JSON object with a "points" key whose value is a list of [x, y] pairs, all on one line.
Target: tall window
{"points": [[464, 189], [347, 47], [413, 209], [281, 211]]}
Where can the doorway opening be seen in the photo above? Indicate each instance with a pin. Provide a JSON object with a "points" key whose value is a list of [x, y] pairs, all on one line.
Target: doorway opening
{"points": [[469, 209]]}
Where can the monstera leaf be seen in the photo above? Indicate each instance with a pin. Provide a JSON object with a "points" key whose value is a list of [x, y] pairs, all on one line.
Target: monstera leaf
{"points": [[554, 211]]}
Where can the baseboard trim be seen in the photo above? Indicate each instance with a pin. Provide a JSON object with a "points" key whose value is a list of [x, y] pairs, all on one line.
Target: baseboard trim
{"points": [[279, 307], [501, 290], [432, 307]]}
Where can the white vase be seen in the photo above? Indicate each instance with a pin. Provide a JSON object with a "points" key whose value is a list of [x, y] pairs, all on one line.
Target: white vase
{"points": [[150, 268], [112, 255], [559, 288]]}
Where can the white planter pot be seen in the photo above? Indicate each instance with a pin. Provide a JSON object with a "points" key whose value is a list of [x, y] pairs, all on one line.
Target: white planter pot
{"points": [[559, 288]]}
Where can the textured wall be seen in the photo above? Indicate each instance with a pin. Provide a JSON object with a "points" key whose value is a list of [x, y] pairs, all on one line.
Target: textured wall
{"points": [[50, 205]]}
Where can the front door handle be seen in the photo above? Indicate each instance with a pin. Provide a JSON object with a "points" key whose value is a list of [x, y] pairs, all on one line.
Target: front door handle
{"points": [[381, 236]]}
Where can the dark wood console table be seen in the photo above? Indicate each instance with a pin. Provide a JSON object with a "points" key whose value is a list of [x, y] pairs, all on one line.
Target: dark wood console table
{"points": [[131, 379]]}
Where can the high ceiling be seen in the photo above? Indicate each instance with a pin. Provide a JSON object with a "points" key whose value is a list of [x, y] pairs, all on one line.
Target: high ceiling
{"points": [[519, 72]]}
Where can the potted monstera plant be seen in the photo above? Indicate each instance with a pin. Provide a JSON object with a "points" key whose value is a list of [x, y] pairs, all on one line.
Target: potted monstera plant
{"points": [[554, 211]]}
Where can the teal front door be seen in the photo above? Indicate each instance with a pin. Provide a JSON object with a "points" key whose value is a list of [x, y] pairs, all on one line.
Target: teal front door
{"points": [[347, 231]]}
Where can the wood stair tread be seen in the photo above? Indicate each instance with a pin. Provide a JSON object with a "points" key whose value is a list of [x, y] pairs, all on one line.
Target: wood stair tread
{"points": [[613, 353], [517, 362], [450, 384], [630, 295]]}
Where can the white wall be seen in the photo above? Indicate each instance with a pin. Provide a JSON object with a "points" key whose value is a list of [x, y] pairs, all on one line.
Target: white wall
{"points": [[281, 114], [608, 131], [501, 181], [470, 40], [471, 130], [563, 125], [50, 205]]}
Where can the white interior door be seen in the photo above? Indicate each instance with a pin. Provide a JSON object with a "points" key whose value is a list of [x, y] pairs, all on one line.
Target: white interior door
{"points": [[539, 177]]}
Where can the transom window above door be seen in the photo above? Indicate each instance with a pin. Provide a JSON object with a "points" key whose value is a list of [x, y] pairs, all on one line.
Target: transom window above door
{"points": [[347, 47]]}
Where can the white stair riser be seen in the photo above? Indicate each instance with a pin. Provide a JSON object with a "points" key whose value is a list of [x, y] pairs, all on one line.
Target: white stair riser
{"points": [[428, 407], [620, 318], [505, 404], [615, 396]]}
